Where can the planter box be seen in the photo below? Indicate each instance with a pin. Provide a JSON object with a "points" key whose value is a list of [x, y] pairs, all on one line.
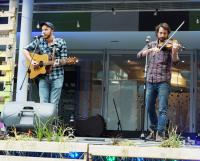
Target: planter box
{"points": [[145, 152], [43, 146]]}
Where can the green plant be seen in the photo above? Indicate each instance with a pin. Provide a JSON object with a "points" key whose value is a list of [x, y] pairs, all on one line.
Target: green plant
{"points": [[174, 140], [48, 133], [126, 142], [49, 128], [52, 129], [39, 128], [59, 133]]}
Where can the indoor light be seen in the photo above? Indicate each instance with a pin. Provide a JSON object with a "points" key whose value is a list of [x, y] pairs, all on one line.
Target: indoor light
{"points": [[197, 20], [38, 25], [113, 11], [155, 12], [78, 24]]}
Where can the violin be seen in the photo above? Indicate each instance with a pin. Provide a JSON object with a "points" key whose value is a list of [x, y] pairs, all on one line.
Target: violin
{"points": [[169, 44]]}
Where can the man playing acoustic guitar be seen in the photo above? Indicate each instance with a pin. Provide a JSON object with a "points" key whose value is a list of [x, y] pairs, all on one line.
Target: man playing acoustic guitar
{"points": [[51, 82]]}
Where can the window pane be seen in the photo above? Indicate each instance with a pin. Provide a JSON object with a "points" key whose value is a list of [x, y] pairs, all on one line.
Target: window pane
{"points": [[198, 93], [179, 100], [82, 90], [126, 82], [124, 74]]}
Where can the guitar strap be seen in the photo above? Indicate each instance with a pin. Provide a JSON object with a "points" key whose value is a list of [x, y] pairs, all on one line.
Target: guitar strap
{"points": [[56, 61], [52, 55], [53, 52]]}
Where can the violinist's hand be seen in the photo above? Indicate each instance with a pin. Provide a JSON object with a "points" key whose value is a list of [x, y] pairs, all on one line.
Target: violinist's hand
{"points": [[175, 47], [155, 50], [175, 54]]}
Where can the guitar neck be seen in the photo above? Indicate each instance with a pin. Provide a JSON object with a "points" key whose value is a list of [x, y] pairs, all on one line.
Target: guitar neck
{"points": [[48, 63], [51, 62]]}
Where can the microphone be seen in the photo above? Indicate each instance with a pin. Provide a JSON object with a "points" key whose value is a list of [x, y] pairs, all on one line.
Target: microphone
{"points": [[39, 36], [148, 38]]}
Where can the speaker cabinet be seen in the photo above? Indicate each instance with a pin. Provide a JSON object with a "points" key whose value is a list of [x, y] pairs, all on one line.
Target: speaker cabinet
{"points": [[24, 114], [91, 127]]}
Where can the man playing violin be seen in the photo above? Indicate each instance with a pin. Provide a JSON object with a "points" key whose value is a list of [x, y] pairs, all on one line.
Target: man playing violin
{"points": [[158, 79], [50, 84]]}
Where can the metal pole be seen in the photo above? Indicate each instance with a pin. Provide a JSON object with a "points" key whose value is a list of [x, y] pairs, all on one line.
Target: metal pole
{"points": [[193, 92], [25, 38]]}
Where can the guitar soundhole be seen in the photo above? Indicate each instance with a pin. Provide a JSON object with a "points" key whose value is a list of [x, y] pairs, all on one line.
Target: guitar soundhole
{"points": [[41, 64]]}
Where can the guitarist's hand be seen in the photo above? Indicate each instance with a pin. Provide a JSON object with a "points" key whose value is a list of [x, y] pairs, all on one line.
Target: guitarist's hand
{"points": [[34, 64], [56, 63]]}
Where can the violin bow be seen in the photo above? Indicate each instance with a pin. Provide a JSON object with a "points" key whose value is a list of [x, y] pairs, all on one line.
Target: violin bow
{"points": [[172, 35]]}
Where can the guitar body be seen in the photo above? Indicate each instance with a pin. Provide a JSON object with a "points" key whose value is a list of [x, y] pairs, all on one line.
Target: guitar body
{"points": [[45, 65], [35, 72]]}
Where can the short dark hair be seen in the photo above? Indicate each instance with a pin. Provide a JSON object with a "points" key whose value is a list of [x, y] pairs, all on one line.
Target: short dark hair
{"points": [[163, 25]]}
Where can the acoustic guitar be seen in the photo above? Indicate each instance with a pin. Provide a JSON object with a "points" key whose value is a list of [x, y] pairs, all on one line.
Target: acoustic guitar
{"points": [[45, 65]]}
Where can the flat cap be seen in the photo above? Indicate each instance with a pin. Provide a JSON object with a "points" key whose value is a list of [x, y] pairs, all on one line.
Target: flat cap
{"points": [[49, 24]]}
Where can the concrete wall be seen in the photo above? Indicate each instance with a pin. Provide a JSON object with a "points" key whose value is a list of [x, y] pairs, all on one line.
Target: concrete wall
{"points": [[127, 21]]}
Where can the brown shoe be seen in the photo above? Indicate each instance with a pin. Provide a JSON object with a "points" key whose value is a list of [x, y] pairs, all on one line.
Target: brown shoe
{"points": [[2, 135], [160, 137], [151, 136]]}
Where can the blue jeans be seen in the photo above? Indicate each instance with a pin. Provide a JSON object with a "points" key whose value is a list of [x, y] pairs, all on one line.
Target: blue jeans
{"points": [[50, 90], [162, 91]]}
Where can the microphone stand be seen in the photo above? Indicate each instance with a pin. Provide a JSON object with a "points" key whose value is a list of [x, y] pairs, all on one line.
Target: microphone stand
{"points": [[29, 65], [142, 136], [119, 125]]}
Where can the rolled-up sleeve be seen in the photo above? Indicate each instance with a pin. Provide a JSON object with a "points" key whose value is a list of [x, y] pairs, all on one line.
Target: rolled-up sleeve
{"points": [[63, 51], [140, 53]]}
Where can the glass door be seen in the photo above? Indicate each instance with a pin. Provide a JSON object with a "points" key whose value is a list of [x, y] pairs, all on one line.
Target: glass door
{"points": [[83, 86], [124, 74], [125, 87]]}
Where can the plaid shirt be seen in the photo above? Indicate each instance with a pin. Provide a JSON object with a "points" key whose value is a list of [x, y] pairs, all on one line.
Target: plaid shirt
{"points": [[159, 65], [41, 47]]}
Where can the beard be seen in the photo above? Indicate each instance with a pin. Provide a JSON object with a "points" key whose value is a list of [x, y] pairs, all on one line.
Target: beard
{"points": [[47, 36], [162, 39]]}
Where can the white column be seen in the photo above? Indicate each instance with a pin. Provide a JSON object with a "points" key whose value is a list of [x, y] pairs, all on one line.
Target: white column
{"points": [[25, 38], [13, 4]]}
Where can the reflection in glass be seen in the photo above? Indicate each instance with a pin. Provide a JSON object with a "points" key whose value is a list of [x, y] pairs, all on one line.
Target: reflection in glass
{"points": [[82, 89], [126, 81]]}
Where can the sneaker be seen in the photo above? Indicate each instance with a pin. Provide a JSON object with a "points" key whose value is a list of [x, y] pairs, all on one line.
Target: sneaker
{"points": [[152, 135], [160, 137]]}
